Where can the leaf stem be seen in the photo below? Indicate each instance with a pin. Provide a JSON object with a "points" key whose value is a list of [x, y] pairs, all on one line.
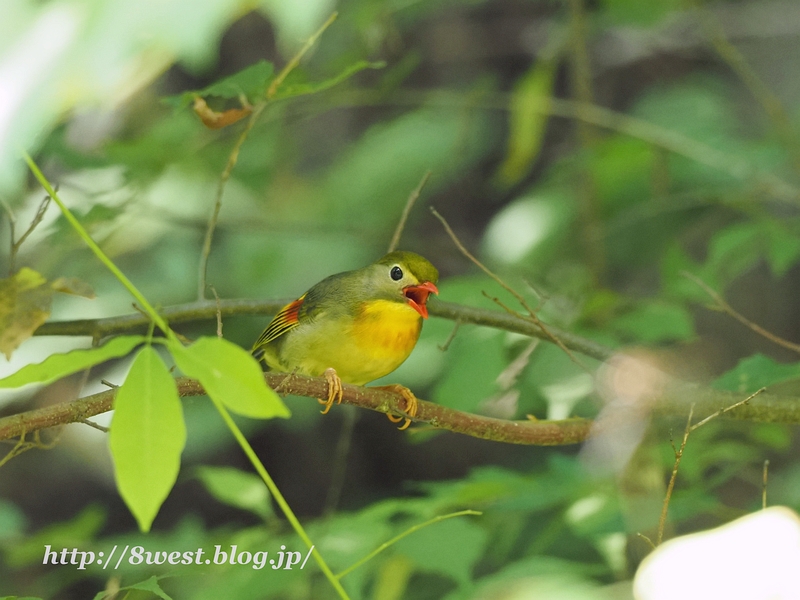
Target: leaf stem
{"points": [[273, 489], [399, 537], [148, 308]]}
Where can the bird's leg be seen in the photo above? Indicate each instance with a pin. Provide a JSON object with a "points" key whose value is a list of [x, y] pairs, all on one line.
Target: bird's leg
{"points": [[335, 391], [410, 407]]}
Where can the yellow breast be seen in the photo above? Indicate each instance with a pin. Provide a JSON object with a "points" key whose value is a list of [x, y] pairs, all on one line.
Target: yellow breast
{"points": [[363, 348], [387, 328]]}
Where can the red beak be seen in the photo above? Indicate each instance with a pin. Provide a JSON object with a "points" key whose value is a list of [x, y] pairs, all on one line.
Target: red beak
{"points": [[418, 296]]}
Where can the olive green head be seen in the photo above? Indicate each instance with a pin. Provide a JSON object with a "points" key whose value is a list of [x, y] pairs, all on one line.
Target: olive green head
{"points": [[405, 277], [415, 268]]}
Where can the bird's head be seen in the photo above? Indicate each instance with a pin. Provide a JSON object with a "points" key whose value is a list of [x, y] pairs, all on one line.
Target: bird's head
{"points": [[405, 277]]}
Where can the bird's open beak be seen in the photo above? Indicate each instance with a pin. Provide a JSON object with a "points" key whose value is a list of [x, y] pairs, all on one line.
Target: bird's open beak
{"points": [[418, 296]]}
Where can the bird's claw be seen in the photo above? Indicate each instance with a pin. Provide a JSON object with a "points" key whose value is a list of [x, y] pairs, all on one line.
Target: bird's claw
{"points": [[411, 407], [335, 391]]}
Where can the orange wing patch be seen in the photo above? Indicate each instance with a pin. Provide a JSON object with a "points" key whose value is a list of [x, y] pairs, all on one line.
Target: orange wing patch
{"points": [[286, 319]]}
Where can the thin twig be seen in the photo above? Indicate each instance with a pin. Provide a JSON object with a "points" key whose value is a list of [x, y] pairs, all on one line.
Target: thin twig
{"points": [[647, 539], [722, 411], [450, 337], [662, 520], [679, 454], [219, 311], [16, 244], [581, 76], [23, 445], [295, 60], [728, 309], [541, 296], [764, 474], [397, 538], [532, 314], [730, 54], [339, 463], [233, 157], [95, 425], [412, 198]]}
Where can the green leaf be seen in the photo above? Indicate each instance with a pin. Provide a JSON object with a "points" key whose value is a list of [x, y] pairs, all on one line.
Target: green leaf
{"points": [[641, 14], [392, 156], [56, 366], [656, 322], [735, 250], [777, 436], [674, 264], [450, 547], [148, 585], [236, 488], [529, 114], [470, 375], [251, 82], [25, 300], [783, 248], [755, 372], [147, 436], [78, 531], [230, 375], [290, 89]]}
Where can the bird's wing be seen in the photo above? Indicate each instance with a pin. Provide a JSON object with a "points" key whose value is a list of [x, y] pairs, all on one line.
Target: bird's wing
{"points": [[286, 319]]}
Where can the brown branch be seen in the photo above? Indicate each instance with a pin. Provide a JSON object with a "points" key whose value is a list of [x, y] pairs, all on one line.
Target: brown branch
{"points": [[728, 309], [532, 314], [412, 198], [207, 310], [541, 433]]}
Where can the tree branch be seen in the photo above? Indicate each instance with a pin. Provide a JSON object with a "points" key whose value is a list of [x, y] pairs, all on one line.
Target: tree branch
{"points": [[673, 399], [207, 310], [541, 433]]}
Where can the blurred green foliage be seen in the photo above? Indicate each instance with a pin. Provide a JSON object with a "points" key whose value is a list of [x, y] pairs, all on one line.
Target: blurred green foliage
{"points": [[689, 174]]}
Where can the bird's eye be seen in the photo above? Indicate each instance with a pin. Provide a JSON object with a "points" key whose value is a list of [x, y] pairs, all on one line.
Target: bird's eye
{"points": [[396, 273]]}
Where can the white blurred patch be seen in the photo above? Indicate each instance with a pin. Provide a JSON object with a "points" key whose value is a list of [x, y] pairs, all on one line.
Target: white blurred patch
{"points": [[563, 396], [29, 61], [297, 20], [628, 384], [755, 557], [585, 508], [613, 548], [518, 229]]}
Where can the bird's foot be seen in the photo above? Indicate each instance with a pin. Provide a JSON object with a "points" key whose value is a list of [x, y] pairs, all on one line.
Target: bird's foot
{"points": [[335, 391], [410, 408]]}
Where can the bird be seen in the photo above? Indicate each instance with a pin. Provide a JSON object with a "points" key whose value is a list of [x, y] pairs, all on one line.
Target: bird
{"points": [[354, 327]]}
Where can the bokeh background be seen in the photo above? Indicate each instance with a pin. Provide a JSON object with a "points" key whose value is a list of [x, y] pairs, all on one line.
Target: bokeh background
{"points": [[589, 152]]}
